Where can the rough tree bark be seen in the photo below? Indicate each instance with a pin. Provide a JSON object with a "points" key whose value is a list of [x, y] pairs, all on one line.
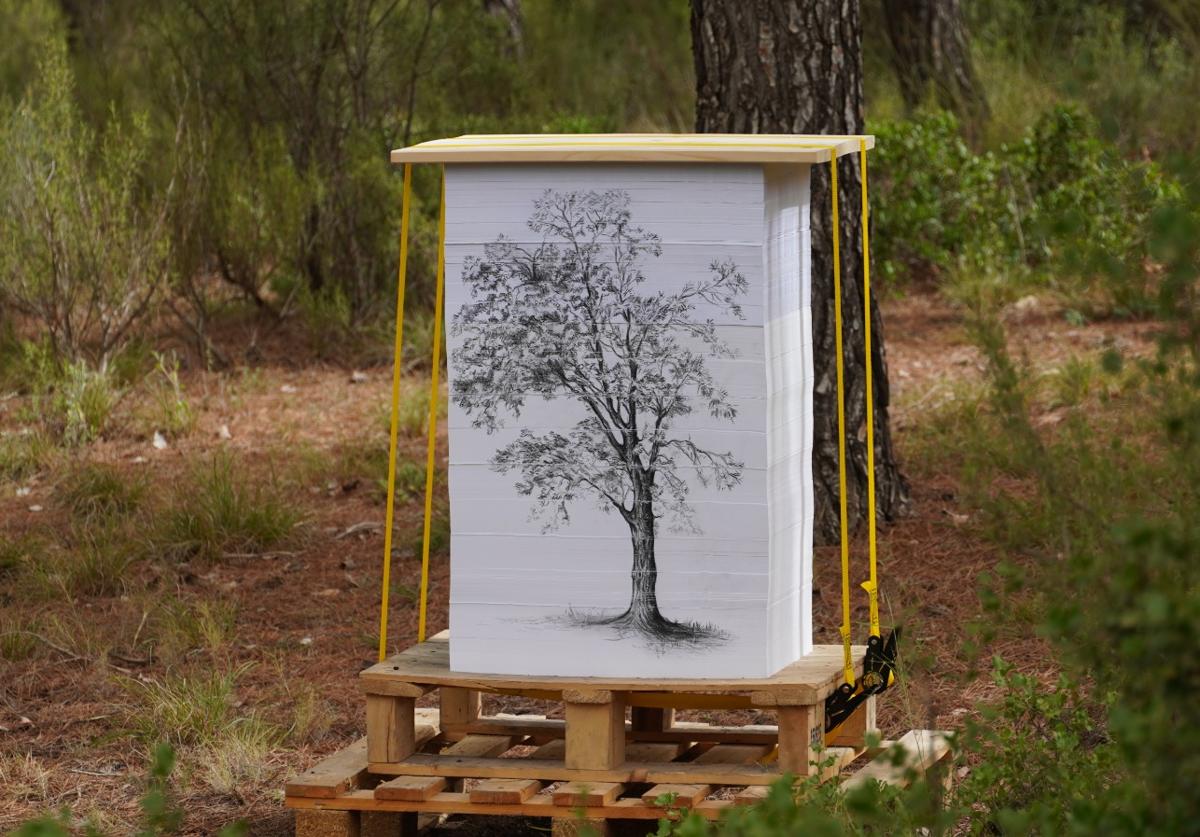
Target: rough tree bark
{"points": [[795, 66], [931, 48]]}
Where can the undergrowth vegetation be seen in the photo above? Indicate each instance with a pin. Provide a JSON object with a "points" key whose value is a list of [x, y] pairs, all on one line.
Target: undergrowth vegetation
{"points": [[221, 514], [179, 206]]}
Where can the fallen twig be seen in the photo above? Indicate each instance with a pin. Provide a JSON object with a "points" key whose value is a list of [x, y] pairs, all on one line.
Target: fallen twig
{"points": [[365, 526]]}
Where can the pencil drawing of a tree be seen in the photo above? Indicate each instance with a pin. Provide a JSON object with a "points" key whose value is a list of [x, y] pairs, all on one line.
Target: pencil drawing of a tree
{"points": [[571, 318]]}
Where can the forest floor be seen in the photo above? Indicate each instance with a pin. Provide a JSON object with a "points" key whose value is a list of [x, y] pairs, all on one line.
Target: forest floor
{"points": [[267, 642]]}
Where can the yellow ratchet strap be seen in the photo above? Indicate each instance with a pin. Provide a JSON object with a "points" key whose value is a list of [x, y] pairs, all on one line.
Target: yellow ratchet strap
{"points": [[871, 585], [395, 430]]}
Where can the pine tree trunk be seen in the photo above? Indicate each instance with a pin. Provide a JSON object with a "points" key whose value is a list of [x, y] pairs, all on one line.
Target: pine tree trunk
{"points": [[795, 66], [931, 47]]}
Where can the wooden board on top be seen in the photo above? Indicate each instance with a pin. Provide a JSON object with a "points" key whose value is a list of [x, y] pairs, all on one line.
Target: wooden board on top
{"points": [[808, 680], [633, 148]]}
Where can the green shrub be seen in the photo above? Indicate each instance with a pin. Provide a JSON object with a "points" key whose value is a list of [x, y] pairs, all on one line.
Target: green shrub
{"points": [[83, 246], [1096, 515], [941, 209]]}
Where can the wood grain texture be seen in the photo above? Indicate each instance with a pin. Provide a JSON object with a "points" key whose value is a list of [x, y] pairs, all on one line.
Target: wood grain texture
{"points": [[331, 776], [922, 748], [745, 51], [734, 754], [584, 795], [641, 148], [391, 727], [676, 795], [595, 733], [810, 679], [650, 718], [421, 764], [504, 791], [853, 731], [411, 788], [479, 746], [801, 733], [458, 706]]}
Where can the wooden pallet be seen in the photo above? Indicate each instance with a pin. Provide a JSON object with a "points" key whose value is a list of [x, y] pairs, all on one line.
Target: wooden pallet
{"points": [[599, 763]]}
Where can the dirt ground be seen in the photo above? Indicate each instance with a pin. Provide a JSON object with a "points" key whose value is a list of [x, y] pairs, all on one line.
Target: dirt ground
{"points": [[307, 614]]}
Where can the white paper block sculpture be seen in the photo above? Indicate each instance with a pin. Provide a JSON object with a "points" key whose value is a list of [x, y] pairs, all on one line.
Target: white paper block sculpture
{"points": [[630, 420]]}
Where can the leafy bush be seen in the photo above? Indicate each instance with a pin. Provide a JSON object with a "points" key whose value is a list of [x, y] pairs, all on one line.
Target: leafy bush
{"points": [[941, 207], [83, 249], [1098, 510]]}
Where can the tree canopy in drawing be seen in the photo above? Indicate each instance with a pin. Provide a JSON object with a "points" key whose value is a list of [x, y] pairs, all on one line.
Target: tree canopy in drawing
{"points": [[574, 318]]}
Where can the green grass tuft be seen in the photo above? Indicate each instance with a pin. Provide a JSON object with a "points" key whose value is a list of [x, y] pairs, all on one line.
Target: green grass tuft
{"points": [[94, 564], [23, 454], [219, 512], [189, 709], [101, 492]]}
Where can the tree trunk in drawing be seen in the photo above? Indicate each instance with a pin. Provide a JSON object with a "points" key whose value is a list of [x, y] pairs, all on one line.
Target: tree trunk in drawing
{"points": [[643, 613], [786, 66]]}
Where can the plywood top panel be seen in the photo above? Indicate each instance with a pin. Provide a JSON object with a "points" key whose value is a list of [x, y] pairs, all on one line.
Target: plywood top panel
{"points": [[807, 680], [632, 148]]}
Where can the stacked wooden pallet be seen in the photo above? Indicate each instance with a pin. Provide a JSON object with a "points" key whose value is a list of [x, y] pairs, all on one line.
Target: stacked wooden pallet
{"points": [[619, 754]]}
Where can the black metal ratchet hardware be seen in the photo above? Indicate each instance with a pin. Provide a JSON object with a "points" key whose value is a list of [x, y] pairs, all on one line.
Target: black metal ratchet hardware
{"points": [[879, 672]]}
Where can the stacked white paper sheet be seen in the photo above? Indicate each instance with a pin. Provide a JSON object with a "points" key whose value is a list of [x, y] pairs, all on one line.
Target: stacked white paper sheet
{"points": [[618, 332]]}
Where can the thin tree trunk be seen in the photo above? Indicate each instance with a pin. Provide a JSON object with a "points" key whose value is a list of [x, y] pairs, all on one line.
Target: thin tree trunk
{"points": [[787, 66], [932, 48]]}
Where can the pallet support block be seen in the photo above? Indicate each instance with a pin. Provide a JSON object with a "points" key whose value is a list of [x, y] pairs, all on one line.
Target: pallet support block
{"points": [[579, 827], [595, 729], [459, 707], [801, 736], [327, 824], [386, 824], [650, 719], [391, 727]]}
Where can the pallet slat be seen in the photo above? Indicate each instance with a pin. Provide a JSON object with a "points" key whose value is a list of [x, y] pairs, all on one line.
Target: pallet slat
{"points": [[478, 746], [585, 795], [923, 749], [504, 791], [734, 754], [331, 776], [670, 795], [555, 771], [411, 788], [539, 805]]}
